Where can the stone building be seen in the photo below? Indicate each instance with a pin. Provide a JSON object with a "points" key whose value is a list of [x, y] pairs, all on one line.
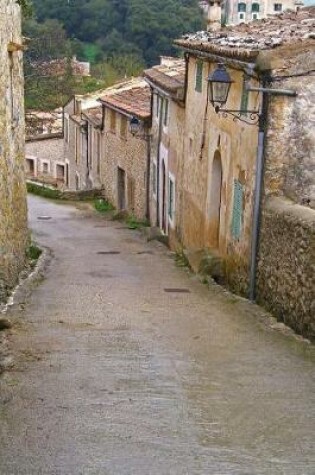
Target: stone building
{"points": [[125, 163], [167, 82], [13, 213], [244, 171], [233, 12], [238, 11]]}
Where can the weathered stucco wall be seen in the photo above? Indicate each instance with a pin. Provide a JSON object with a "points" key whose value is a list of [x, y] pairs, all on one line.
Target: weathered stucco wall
{"points": [[286, 270], [213, 141], [13, 215]]}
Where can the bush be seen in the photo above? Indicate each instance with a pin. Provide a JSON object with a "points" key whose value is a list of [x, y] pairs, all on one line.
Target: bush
{"points": [[43, 191], [103, 206]]}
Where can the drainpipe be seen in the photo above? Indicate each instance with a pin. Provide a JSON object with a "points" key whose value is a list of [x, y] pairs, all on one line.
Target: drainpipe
{"points": [[258, 192], [158, 163]]}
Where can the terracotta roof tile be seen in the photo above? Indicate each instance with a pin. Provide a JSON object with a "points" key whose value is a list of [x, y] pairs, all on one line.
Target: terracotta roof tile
{"points": [[170, 76], [94, 115], [133, 99], [248, 39]]}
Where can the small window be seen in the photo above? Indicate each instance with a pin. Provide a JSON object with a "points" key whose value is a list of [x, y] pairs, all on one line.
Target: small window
{"points": [[255, 16], [277, 7], [171, 199], [255, 7], [241, 16], [45, 168], [241, 7], [112, 121], [198, 82], [237, 217], [166, 112], [123, 127]]}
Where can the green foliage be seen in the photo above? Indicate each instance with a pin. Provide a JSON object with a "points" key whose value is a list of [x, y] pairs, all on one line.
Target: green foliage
{"points": [[43, 191], [145, 28], [103, 206], [134, 223], [33, 252], [26, 6]]}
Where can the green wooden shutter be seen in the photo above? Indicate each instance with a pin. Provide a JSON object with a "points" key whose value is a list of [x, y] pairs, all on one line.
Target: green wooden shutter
{"points": [[244, 98], [237, 210], [198, 84]]}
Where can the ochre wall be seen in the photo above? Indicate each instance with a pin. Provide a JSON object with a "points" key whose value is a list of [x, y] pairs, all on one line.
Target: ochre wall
{"points": [[207, 133]]}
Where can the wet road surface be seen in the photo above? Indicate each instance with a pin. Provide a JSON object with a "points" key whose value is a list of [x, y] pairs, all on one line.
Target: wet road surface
{"points": [[115, 376]]}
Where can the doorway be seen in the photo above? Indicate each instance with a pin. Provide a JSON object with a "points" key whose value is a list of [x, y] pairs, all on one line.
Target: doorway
{"points": [[215, 198], [121, 189]]}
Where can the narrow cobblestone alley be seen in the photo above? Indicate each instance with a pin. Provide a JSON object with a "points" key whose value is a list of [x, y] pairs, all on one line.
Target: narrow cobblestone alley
{"points": [[114, 375]]}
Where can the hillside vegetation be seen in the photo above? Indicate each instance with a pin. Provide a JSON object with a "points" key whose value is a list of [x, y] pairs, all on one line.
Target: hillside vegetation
{"points": [[118, 37]]}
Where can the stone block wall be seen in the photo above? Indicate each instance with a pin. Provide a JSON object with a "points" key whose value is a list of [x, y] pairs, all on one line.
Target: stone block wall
{"points": [[286, 277], [13, 213]]}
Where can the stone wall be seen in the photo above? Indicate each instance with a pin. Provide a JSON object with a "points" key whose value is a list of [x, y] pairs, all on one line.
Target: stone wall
{"points": [[290, 147], [13, 213], [286, 278], [45, 150]]}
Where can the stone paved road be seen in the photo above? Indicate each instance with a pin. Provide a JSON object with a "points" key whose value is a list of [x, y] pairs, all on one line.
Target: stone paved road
{"points": [[115, 376]]}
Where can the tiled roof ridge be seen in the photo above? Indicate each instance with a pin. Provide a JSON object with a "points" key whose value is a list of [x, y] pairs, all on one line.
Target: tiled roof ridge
{"points": [[247, 39]]}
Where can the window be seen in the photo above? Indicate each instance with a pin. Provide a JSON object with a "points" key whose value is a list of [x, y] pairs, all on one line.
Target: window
{"points": [[244, 98], [166, 112], [123, 127], [277, 7], [255, 16], [112, 121], [241, 16], [66, 129], [45, 168], [171, 199], [237, 216], [154, 182], [255, 7], [241, 8], [198, 79], [158, 105], [77, 143], [98, 153]]}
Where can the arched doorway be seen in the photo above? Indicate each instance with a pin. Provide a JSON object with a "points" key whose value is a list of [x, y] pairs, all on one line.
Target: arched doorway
{"points": [[215, 198]]}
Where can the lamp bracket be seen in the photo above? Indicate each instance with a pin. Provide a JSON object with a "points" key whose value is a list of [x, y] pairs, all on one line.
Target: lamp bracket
{"points": [[250, 117]]}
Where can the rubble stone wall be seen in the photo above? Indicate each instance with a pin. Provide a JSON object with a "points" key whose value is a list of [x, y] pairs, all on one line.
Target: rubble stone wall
{"points": [[13, 213], [286, 277], [290, 149], [49, 150]]}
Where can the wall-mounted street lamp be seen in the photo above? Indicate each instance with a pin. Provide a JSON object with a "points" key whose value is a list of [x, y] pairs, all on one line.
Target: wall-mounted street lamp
{"points": [[219, 85], [134, 126]]}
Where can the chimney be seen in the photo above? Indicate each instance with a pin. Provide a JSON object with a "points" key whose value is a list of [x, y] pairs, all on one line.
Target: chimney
{"points": [[214, 15]]}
